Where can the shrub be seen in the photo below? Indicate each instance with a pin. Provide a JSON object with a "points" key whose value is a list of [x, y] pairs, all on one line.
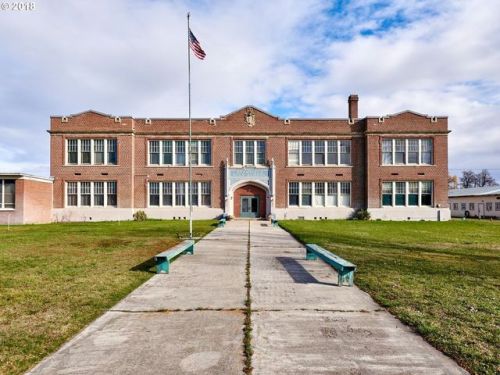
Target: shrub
{"points": [[140, 216], [362, 215]]}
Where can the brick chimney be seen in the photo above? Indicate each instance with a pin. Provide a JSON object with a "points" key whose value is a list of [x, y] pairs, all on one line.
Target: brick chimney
{"points": [[353, 106]]}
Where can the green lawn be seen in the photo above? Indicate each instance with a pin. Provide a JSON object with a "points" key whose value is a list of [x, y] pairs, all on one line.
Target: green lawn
{"points": [[57, 278], [442, 279]]}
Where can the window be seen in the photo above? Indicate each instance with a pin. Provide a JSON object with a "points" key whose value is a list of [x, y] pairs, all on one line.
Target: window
{"points": [[98, 151], [293, 153], [205, 188], [333, 152], [426, 193], [293, 193], [306, 194], [387, 151], [168, 155], [72, 190], [419, 151], [206, 152], [399, 154], [326, 194], [193, 152], [194, 193], [112, 154], [85, 194], [72, 151], [112, 195], [319, 152], [387, 194], [427, 151], [400, 193], [180, 193], [319, 193], [331, 197], [85, 151], [463, 206], [306, 152], [471, 206], [154, 193], [332, 156], [180, 153], [167, 194], [489, 206], [345, 194], [497, 206], [345, 152], [7, 194], [413, 193], [412, 151], [249, 152], [154, 152], [98, 193], [455, 206]]}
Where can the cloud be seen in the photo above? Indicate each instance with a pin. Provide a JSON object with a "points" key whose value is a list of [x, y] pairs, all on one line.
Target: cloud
{"points": [[294, 58]]}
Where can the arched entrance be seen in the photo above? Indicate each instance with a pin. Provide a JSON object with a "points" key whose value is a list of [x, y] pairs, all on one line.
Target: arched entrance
{"points": [[249, 201]]}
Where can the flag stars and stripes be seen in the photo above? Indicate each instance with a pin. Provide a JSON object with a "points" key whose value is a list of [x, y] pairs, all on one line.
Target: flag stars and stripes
{"points": [[195, 46]]}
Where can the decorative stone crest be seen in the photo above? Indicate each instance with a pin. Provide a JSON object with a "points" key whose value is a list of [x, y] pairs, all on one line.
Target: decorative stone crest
{"points": [[250, 117]]}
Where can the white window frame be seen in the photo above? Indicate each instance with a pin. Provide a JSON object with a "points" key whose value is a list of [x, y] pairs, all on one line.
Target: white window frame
{"points": [[325, 193], [92, 156], [174, 193], [187, 155], [244, 143], [325, 152], [407, 193], [78, 194], [2, 204], [406, 141]]}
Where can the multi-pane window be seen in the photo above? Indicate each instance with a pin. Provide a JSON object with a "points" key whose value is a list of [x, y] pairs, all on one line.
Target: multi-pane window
{"points": [[319, 194], [169, 152], [85, 194], [407, 151], [249, 152], [86, 154], [463, 206], [99, 193], [293, 153], [455, 206], [7, 194], [98, 151], [497, 206], [407, 193], [91, 193], [293, 194], [489, 206], [91, 151], [319, 152], [471, 206], [168, 194]]}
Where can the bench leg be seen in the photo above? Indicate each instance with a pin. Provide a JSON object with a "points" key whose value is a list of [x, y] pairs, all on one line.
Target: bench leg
{"points": [[310, 255], [162, 265], [190, 250], [351, 278]]}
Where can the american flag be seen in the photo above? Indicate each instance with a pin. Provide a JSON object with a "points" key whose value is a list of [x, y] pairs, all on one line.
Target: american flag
{"points": [[195, 46]]}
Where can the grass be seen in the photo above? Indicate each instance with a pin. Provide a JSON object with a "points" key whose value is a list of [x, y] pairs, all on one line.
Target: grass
{"points": [[443, 279], [57, 278]]}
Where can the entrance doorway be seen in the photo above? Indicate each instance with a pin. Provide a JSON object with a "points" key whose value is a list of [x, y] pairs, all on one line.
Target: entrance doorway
{"points": [[249, 206]]}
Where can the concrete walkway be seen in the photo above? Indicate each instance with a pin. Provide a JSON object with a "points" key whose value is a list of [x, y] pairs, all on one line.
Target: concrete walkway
{"points": [[191, 320]]}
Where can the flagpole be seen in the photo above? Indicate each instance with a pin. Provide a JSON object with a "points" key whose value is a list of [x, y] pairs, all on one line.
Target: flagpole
{"points": [[190, 134]]}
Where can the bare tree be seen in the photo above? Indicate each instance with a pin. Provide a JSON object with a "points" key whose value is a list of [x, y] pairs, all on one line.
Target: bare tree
{"points": [[452, 182], [484, 178], [468, 179]]}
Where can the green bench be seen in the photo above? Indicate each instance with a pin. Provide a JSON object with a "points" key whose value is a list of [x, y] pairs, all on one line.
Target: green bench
{"points": [[344, 268], [222, 222], [164, 258], [274, 222]]}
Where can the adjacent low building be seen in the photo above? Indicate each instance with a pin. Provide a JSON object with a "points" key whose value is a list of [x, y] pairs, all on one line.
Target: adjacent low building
{"points": [[482, 202], [25, 199], [250, 163]]}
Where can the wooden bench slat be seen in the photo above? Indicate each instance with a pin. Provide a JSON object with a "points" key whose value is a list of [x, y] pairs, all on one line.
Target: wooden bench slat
{"points": [[344, 268]]}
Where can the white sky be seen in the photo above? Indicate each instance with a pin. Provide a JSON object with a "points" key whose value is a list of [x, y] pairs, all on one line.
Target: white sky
{"points": [[293, 58]]}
